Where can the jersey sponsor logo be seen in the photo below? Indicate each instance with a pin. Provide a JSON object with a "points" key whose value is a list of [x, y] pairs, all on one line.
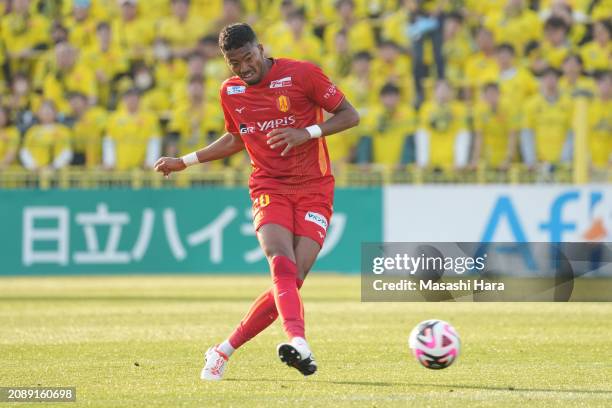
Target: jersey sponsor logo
{"points": [[246, 129], [236, 89], [331, 91], [281, 83], [317, 218], [276, 123], [283, 103]]}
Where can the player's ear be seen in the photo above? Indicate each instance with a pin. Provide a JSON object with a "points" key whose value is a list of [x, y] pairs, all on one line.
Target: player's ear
{"points": [[261, 49]]}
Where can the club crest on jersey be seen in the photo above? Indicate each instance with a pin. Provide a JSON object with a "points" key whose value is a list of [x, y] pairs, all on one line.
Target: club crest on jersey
{"points": [[282, 103], [236, 89], [317, 218], [281, 83]]}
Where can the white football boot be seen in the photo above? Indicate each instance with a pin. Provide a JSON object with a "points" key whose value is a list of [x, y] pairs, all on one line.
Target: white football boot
{"points": [[215, 364]]}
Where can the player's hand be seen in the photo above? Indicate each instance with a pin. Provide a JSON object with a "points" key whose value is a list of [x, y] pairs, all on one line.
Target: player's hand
{"points": [[287, 137], [167, 165]]}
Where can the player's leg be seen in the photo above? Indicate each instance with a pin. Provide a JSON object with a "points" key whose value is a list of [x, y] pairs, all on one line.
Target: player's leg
{"points": [[262, 312], [277, 244], [306, 251], [270, 213], [312, 216]]}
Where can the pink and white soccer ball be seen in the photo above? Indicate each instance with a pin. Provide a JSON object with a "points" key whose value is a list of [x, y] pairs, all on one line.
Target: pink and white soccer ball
{"points": [[435, 344]]}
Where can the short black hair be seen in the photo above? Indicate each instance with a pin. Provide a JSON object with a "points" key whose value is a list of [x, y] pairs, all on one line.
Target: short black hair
{"points": [[362, 55], [550, 71], [602, 75], [576, 57], [490, 85], [103, 25], [208, 39], [235, 36], [556, 23], [389, 89], [506, 47]]}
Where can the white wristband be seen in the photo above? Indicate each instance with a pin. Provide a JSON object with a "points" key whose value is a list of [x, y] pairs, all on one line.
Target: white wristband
{"points": [[190, 159], [314, 131]]}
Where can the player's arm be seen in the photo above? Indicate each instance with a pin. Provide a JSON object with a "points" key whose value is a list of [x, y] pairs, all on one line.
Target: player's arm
{"points": [[344, 117], [225, 146]]}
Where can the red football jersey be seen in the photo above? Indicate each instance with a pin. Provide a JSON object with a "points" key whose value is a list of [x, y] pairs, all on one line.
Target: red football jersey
{"points": [[291, 94]]}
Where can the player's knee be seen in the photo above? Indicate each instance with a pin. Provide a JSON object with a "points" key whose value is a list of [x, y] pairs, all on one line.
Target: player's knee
{"points": [[274, 250], [283, 269]]}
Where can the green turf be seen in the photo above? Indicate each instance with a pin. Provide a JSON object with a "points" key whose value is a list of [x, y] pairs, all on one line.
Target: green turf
{"points": [[91, 332]]}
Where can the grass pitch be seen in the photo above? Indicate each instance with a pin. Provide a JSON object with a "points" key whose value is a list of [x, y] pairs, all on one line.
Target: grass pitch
{"points": [[138, 342]]}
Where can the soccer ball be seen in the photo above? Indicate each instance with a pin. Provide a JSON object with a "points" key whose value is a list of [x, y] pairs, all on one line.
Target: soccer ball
{"points": [[434, 343]]}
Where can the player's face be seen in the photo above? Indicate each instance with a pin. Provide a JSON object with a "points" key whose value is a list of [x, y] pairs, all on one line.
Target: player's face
{"points": [[247, 62]]}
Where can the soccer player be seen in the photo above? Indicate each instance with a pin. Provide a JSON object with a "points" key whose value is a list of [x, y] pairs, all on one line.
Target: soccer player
{"points": [[273, 108]]}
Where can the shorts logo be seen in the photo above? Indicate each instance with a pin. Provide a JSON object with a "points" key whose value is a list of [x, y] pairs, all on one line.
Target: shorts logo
{"points": [[317, 218], [237, 89], [281, 83], [283, 104]]}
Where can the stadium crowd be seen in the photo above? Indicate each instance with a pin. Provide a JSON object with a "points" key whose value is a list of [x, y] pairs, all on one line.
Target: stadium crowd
{"points": [[439, 84]]}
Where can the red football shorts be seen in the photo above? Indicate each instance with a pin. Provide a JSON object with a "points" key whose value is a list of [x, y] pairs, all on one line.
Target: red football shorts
{"points": [[304, 214]]}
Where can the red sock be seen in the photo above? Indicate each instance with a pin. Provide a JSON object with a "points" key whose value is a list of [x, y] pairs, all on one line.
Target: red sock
{"points": [[261, 315], [287, 296]]}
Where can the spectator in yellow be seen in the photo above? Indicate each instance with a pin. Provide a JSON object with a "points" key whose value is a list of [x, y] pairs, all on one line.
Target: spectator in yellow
{"points": [[81, 25], [132, 33], [515, 24], [169, 71], [46, 144], [481, 67], [390, 65], [22, 102], [495, 130], [9, 140], [196, 67], [456, 48], [215, 67], [600, 123], [390, 131], [574, 83], [394, 24], [88, 124], [298, 43], [516, 83], [279, 28], [359, 86], [556, 45], [132, 136], [194, 123], [360, 33], [360, 89], [231, 12], [182, 29], [68, 76], [546, 136], [23, 33], [153, 98], [108, 60], [46, 61], [442, 139], [574, 21], [596, 54], [338, 64]]}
